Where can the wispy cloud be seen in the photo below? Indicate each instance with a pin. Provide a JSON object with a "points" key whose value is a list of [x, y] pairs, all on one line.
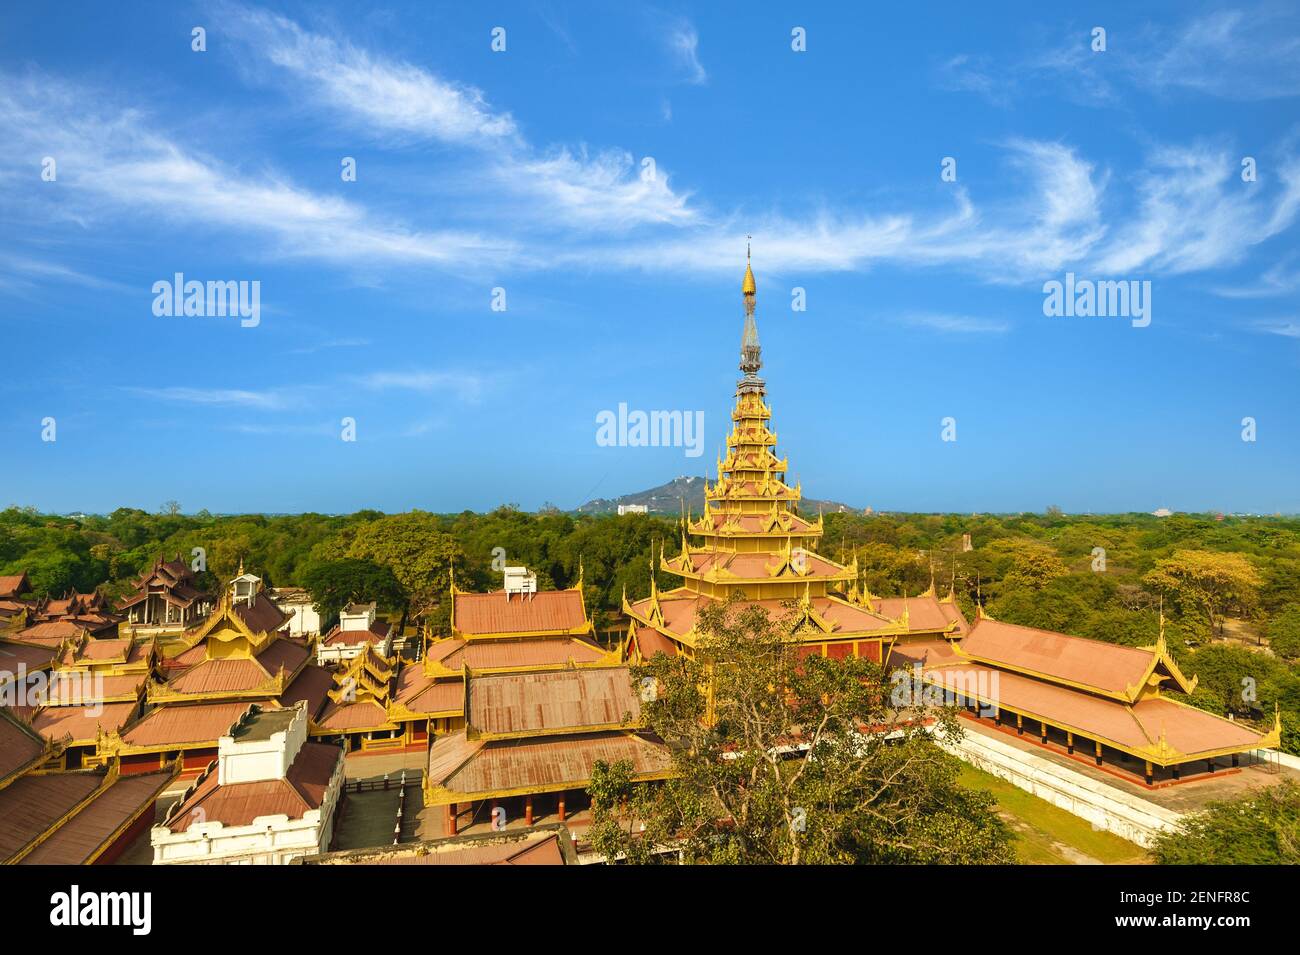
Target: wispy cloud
{"points": [[389, 98], [956, 324], [684, 44], [1229, 54], [329, 344], [1286, 327], [467, 387], [270, 400], [1280, 279], [113, 164]]}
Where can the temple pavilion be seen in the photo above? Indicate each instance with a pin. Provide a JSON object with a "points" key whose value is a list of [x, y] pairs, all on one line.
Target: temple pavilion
{"points": [[1108, 704], [206, 678], [1098, 702], [537, 703], [751, 541]]}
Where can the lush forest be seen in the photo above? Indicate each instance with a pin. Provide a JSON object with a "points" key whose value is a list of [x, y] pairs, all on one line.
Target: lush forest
{"points": [[1229, 587]]}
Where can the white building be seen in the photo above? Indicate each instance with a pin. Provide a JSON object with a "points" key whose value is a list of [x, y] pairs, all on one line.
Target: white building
{"points": [[632, 509], [357, 629], [269, 797], [304, 621]]}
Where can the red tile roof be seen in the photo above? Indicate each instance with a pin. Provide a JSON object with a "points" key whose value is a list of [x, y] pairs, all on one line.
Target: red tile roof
{"points": [[31, 804]]}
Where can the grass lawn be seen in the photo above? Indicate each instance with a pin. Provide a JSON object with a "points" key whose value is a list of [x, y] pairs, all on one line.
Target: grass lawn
{"points": [[1046, 835]]}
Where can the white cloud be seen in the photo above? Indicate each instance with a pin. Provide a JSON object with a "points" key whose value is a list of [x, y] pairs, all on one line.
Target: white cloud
{"points": [[1194, 212], [112, 164], [684, 42], [466, 386], [270, 400], [388, 97], [956, 324], [395, 97]]}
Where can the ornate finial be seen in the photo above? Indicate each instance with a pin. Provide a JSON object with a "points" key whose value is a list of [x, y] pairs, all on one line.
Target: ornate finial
{"points": [[748, 288], [751, 355]]}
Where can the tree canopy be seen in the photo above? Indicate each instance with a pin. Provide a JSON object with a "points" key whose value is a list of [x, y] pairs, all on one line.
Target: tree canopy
{"points": [[779, 760]]}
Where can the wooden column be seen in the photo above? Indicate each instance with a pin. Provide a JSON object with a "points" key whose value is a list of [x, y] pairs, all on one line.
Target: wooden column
{"points": [[1043, 727], [451, 819], [1069, 743], [528, 810], [1150, 773], [1020, 725], [1099, 754], [560, 808]]}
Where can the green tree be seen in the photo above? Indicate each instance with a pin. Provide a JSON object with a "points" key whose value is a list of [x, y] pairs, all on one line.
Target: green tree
{"points": [[1208, 583], [771, 764], [1261, 827], [337, 583], [1283, 632]]}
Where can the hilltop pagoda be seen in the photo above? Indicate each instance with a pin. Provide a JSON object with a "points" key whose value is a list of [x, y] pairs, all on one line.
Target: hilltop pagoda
{"points": [[751, 541]]}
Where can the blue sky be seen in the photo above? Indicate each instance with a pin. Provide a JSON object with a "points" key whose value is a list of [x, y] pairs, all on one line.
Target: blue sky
{"points": [[525, 170]]}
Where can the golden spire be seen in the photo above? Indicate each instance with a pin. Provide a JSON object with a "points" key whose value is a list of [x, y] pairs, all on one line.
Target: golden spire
{"points": [[748, 288]]}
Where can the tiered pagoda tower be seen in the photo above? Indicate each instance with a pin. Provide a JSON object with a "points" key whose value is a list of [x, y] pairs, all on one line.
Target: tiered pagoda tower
{"points": [[752, 541]]}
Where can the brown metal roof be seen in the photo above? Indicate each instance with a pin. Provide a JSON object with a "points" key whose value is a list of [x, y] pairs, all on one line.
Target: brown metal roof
{"points": [[1107, 667], [552, 700], [184, 723], [473, 767], [239, 804], [33, 803], [20, 744], [81, 723], [499, 612], [77, 841]]}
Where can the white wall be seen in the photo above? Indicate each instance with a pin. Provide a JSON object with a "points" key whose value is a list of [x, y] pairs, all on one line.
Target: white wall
{"points": [[1128, 816]]}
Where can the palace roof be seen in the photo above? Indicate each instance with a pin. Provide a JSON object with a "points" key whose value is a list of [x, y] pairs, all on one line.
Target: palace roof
{"points": [[183, 723], [543, 845], [312, 684], [461, 769], [417, 692], [81, 724], [33, 658], [555, 701], [681, 608], [377, 632], [925, 612], [70, 818], [14, 585], [549, 611], [1157, 728], [454, 654], [1105, 668], [124, 651], [21, 747], [301, 790], [75, 687]]}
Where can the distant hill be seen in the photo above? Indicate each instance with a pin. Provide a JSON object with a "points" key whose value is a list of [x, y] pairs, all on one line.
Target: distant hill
{"points": [[667, 499]]}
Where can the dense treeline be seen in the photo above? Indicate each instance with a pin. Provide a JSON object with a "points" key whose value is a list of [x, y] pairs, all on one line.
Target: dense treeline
{"points": [[1229, 588]]}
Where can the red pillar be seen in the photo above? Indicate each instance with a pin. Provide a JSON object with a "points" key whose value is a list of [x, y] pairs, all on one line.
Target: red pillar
{"points": [[451, 819], [528, 810], [560, 807]]}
